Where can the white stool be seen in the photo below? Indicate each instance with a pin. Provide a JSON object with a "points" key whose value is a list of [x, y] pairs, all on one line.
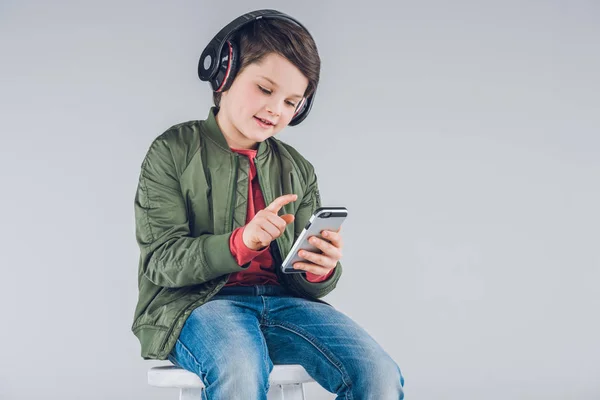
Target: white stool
{"points": [[287, 382]]}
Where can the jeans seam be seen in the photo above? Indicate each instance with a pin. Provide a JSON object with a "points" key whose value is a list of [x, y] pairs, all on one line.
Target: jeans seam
{"points": [[264, 342], [296, 330], [191, 355]]}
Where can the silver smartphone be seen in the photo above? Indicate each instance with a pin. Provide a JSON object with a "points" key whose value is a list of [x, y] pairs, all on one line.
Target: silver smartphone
{"points": [[323, 218]]}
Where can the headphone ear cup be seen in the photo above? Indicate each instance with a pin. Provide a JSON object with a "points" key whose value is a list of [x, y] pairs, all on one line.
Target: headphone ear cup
{"points": [[228, 67], [301, 107], [303, 110]]}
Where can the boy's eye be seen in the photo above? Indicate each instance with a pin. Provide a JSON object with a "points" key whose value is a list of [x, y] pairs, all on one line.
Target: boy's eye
{"points": [[267, 91], [262, 89]]}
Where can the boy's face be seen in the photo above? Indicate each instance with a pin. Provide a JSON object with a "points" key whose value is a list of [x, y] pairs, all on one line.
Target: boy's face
{"points": [[269, 90]]}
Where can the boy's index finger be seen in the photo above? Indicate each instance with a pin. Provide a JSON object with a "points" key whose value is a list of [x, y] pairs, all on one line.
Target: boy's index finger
{"points": [[281, 201]]}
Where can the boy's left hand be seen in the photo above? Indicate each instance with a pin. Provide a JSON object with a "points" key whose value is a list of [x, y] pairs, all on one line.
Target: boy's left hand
{"points": [[321, 264]]}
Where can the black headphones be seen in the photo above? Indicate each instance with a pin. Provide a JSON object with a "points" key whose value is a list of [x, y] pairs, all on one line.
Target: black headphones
{"points": [[219, 63]]}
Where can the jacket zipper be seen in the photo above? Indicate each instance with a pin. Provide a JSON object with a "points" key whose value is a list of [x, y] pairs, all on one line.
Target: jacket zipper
{"points": [[262, 189], [277, 240], [234, 195], [267, 202]]}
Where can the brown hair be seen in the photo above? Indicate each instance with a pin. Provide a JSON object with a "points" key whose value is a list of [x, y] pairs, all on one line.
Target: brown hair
{"points": [[264, 36]]}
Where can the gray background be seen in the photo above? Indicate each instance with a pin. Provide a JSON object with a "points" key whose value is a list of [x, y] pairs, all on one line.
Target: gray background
{"points": [[462, 136]]}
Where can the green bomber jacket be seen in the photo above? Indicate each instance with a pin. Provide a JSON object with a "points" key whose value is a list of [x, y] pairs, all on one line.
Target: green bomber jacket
{"points": [[191, 195]]}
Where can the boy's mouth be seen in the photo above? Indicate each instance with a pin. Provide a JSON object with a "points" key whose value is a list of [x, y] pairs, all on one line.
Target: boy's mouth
{"points": [[264, 121]]}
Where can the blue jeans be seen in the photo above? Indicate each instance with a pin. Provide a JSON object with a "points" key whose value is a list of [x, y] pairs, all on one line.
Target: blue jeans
{"points": [[232, 341]]}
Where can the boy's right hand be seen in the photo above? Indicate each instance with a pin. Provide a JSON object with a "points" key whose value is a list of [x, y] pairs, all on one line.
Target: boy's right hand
{"points": [[266, 225]]}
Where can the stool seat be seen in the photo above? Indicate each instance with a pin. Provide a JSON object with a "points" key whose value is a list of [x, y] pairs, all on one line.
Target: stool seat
{"points": [[171, 376]]}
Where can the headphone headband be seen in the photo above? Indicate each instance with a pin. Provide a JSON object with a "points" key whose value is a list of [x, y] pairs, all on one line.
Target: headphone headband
{"points": [[215, 46]]}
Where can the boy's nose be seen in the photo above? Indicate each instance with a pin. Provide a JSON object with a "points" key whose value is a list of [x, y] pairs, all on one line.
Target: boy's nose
{"points": [[274, 109]]}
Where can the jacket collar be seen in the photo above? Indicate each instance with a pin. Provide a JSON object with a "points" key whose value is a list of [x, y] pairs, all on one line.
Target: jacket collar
{"points": [[214, 132]]}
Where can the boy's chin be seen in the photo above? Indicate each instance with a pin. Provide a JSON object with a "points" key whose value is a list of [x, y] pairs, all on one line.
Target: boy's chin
{"points": [[253, 137], [261, 136]]}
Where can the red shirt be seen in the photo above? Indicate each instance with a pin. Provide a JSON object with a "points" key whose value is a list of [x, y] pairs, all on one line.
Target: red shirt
{"points": [[261, 270]]}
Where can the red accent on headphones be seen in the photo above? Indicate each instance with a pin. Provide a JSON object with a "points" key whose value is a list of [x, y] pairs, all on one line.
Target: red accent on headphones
{"points": [[228, 68]]}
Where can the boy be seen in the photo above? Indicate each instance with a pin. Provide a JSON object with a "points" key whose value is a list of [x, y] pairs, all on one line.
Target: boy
{"points": [[219, 204]]}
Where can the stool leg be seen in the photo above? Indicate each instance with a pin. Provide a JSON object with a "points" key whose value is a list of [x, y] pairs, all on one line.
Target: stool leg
{"points": [[190, 394], [275, 393], [293, 391]]}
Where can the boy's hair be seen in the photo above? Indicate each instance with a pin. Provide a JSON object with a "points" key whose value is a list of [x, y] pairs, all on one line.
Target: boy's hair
{"points": [[264, 36]]}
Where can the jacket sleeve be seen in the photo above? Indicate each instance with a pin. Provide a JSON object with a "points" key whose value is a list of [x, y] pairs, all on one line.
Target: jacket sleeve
{"points": [[310, 202], [169, 255]]}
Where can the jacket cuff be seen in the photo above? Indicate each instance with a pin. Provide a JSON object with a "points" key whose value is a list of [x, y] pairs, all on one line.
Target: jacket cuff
{"points": [[217, 255], [316, 289]]}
